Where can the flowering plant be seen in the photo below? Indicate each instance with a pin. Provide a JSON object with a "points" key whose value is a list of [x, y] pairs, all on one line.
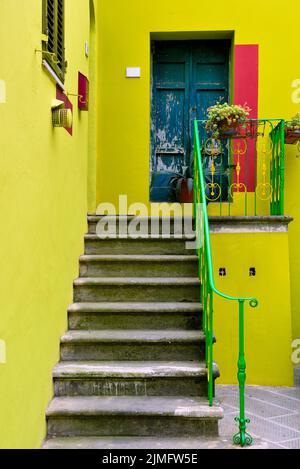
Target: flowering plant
{"points": [[225, 116], [294, 124], [292, 130]]}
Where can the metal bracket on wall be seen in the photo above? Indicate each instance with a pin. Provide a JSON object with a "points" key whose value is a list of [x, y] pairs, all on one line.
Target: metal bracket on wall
{"points": [[51, 54], [79, 96]]}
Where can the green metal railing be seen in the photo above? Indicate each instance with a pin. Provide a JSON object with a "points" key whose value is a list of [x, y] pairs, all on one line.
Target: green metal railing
{"points": [[244, 174], [208, 290], [277, 136]]}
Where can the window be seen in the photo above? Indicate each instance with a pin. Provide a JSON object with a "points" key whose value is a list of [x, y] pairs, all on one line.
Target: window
{"points": [[54, 31]]}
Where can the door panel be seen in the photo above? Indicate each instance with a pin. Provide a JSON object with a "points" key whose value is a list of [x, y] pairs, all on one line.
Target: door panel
{"points": [[188, 77], [170, 73], [170, 127]]}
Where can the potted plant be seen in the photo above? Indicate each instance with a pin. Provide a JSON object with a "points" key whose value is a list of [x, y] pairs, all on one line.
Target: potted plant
{"points": [[183, 185], [292, 130], [225, 120]]}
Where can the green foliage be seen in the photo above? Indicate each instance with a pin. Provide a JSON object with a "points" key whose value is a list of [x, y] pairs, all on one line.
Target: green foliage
{"points": [[294, 124], [224, 115]]}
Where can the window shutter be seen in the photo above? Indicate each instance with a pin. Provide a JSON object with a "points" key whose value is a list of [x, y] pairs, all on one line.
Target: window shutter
{"points": [[60, 33], [54, 28], [51, 25]]}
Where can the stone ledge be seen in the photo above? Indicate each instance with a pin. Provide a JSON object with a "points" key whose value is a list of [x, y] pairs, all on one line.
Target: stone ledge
{"points": [[249, 224], [138, 443]]}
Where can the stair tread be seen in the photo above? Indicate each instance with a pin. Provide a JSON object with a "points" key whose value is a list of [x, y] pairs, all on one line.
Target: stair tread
{"points": [[149, 236], [152, 281], [95, 217], [141, 307], [190, 407], [138, 258], [146, 443], [117, 335], [139, 369], [80, 406]]}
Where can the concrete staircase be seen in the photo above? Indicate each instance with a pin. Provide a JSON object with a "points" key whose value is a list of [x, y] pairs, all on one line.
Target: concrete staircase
{"points": [[132, 371]]}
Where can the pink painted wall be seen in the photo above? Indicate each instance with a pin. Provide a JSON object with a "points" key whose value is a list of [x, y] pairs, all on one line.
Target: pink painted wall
{"points": [[246, 58]]}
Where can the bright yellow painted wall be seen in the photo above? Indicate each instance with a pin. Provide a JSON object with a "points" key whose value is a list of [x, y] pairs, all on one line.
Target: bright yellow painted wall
{"points": [[46, 174], [293, 207], [43, 205], [124, 127], [124, 40], [268, 333], [93, 109]]}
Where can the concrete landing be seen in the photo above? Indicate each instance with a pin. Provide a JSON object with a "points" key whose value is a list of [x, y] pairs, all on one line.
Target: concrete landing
{"points": [[145, 443]]}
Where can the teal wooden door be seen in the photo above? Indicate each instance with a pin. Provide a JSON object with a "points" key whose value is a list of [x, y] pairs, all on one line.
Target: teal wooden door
{"points": [[187, 78]]}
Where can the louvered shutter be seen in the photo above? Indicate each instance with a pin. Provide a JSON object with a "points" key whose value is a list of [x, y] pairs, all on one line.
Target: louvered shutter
{"points": [[54, 28], [60, 32]]}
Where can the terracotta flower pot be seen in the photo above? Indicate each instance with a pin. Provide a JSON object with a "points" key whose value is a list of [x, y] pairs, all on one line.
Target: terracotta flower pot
{"points": [[292, 136], [228, 130], [185, 190]]}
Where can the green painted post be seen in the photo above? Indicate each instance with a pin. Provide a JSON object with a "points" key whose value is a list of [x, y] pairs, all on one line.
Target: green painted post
{"points": [[282, 152], [242, 437], [208, 290], [205, 312], [272, 171], [195, 193], [211, 355]]}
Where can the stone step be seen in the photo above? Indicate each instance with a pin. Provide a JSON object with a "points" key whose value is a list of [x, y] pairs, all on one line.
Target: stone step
{"points": [[133, 345], [93, 289], [138, 266], [144, 244], [140, 443], [142, 378], [122, 315], [137, 224], [132, 416]]}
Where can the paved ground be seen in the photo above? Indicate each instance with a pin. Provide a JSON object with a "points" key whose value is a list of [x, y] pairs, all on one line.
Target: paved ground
{"points": [[274, 413]]}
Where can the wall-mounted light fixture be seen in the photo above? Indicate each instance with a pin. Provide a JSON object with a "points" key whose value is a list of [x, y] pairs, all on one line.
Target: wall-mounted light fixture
{"points": [[61, 117]]}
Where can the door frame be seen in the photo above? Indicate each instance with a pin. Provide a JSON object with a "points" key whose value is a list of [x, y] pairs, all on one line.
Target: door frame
{"points": [[185, 37]]}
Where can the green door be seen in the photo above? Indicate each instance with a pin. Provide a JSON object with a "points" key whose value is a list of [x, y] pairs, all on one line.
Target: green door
{"points": [[187, 78]]}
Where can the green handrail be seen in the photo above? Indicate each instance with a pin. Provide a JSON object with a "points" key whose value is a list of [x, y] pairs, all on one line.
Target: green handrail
{"points": [[277, 168], [244, 164], [208, 289]]}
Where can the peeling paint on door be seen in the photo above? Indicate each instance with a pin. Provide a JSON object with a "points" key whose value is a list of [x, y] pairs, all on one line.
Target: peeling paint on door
{"points": [[188, 77]]}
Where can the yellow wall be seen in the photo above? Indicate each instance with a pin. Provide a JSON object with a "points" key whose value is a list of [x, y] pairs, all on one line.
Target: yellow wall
{"points": [[293, 208], [43, 205], [268, 332], [46, 175], [125, 103], [124, 129], [93, 109]]}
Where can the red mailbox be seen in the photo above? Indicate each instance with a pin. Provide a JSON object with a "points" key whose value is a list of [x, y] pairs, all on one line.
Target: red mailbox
{"points": [[83, 92]]}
